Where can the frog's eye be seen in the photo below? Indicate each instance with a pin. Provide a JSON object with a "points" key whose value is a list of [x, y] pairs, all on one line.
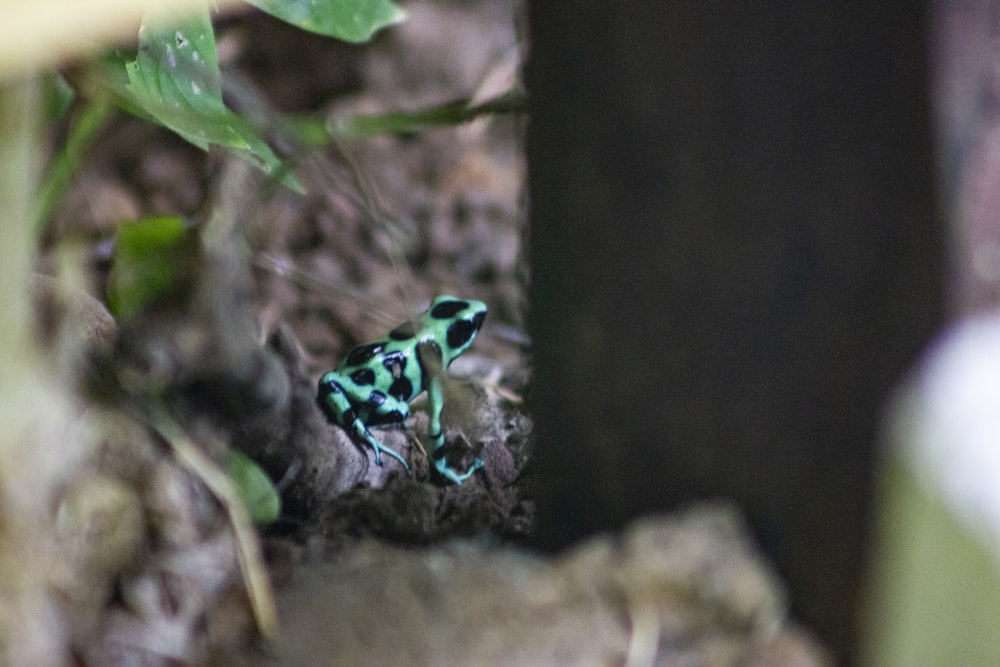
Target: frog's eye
{"points": [[461, 332], [444, 310]]}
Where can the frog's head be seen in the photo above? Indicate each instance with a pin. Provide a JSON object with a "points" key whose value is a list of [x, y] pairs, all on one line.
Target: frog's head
{"points": [[460, 320]]}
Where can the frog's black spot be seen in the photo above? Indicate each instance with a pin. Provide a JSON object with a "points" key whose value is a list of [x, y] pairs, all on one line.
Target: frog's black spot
{"points": [[363, 353], [463, 331], [363, 376], [395, 363], [376, 398], [448, 309], [438, 453], [393, 417], [401, 389], [349, 417], [404, 331], [330, 387]]}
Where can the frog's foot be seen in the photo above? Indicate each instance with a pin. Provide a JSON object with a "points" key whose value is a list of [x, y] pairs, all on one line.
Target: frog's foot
{"points": [[442, 467], [391, 452]]}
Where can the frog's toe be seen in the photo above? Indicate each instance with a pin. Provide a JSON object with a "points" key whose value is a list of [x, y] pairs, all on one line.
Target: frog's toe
{"points": [[394, 454], [442, 467]]}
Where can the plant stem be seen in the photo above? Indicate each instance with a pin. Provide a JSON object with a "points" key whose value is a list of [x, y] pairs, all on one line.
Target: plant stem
{"points": [[91, 119]]}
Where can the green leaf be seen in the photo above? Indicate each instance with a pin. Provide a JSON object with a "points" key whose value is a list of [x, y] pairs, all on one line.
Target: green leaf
{"points": [[149, 262], [175, 81], [349, 20], [400, 122], [255, 488]]}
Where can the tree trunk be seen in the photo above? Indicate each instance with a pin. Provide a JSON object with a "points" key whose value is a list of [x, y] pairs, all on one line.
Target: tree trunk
{"points": [[734, 254]]}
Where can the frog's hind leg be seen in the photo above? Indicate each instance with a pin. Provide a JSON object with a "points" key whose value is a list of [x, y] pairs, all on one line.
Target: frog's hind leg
{"points": [[435, 399], [338, 409]]}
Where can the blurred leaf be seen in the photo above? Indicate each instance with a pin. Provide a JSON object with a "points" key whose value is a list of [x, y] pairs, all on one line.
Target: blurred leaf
{"points": [[175, 81], [934, 582], [402, 122], [254, 487], [58, 96], [349, 20], [150, 259]]}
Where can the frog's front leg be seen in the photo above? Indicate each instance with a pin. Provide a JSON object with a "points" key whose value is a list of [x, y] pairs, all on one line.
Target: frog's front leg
{"points": [[335, 402], [435, 401]]}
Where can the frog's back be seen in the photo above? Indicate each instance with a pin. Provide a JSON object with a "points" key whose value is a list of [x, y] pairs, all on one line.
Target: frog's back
{"points": [[449, 323], [367, 354]]}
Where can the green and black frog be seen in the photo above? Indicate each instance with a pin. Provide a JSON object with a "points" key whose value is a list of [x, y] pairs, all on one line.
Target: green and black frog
{"points": [[375, 383]]}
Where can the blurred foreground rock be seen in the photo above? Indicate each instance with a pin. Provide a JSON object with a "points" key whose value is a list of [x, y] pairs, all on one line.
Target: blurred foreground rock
{"points": [[683, 589]]}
